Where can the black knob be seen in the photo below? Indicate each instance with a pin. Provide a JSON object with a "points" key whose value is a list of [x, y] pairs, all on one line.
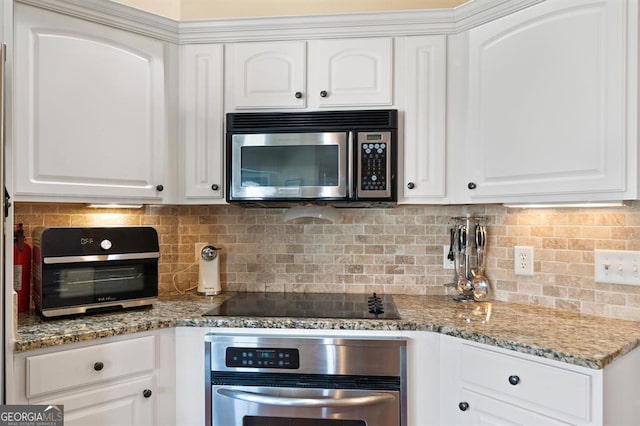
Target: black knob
{"points": [[215, 187], [411, 185], [98, 366], [147, 393], [159, 188], [298, 95], [323, 94], [514, 380], [472, 185], [463, 406]]}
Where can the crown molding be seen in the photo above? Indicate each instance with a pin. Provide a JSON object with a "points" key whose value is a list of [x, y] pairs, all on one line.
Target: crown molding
{"points": [[115, 15], [392, 23]]}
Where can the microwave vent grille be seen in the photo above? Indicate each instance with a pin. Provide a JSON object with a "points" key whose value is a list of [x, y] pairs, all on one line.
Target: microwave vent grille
{"points": [[338, 120]]}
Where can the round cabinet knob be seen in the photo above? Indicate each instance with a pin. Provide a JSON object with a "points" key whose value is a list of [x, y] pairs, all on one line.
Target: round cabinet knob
{"points": [[324, 94], [514, 380], [472, 185], [463, 406], [105, 245], [298, 95], [411, 185], [215, 187], [159, 188], [98, 366], [147, 393]]}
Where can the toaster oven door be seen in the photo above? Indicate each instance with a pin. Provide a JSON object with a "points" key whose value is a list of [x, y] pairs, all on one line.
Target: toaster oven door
{"points": [[69, 288]]}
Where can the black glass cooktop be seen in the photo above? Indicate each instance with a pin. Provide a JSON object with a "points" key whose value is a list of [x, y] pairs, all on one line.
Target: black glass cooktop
{"points": [[308, 305]]}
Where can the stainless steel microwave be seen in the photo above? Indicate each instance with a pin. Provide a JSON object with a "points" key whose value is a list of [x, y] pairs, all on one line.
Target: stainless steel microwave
{"points": [[94, 269], [344, 158]]}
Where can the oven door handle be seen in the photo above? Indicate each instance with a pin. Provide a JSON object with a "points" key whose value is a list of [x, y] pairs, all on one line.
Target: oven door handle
{"points": [[371, 399]]}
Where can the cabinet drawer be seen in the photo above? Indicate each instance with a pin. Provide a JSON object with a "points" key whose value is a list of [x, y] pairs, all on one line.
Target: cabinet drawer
{"points": [[535, 385], [76, 367]]}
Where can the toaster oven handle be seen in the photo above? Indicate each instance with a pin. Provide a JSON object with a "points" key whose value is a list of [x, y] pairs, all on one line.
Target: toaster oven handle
{"points": [[350, 176], [52, 260], [357, 401]]}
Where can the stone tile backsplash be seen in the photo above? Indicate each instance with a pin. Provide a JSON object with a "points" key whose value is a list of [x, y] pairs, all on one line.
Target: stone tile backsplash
{"points": [[396, 250]]}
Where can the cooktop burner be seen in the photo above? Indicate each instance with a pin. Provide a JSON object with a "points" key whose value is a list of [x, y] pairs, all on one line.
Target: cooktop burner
{"points": [[308, 305]]}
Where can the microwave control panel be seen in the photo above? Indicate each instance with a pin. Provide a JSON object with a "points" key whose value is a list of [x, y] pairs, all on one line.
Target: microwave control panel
{"points": [[374, 165]]}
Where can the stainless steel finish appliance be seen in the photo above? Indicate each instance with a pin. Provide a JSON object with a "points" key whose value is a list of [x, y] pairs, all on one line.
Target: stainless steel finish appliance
{"points": [[87, 270], [343, 158], [256, 380], [308, 305]]}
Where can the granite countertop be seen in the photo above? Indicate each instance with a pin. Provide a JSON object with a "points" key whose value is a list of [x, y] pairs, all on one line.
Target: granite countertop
{"points": [[583, 340]]}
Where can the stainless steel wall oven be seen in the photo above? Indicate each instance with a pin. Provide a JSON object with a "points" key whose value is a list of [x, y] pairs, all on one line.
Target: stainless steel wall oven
{"points": [[255, 380], [85, 270]]}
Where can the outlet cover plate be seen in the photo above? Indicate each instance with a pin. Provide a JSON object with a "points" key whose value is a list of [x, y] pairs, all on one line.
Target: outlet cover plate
{"points": [[523, 260], [617, 267]]}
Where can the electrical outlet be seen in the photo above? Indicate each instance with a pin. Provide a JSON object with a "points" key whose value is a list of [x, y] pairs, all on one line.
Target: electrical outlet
{"points": [[523, 260], [446, 263], [617, 267]]}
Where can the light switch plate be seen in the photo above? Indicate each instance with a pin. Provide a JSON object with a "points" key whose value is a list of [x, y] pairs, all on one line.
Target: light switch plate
{"points": [[617, 267]]}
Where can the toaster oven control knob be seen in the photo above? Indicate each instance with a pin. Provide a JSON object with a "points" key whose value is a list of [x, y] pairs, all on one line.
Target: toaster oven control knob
{"points": [[298, 95], [98, 366], [105, 244]]}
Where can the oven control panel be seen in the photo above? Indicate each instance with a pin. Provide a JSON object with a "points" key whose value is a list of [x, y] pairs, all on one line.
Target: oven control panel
{"points": [[262, 357]]}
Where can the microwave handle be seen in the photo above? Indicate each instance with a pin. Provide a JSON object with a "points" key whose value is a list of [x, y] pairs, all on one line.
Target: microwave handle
{"points": [[350, 176]]}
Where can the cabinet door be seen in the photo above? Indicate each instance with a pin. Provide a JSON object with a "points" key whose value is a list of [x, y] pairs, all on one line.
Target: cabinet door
{"points": [[268, 74], [124, 403], [351, 72], [484, 411], [89, 110], [201, 100], [423, 75], [546, 104]]}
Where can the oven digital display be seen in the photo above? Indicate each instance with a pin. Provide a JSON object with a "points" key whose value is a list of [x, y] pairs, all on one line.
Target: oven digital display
{"points": [[262, 357]]}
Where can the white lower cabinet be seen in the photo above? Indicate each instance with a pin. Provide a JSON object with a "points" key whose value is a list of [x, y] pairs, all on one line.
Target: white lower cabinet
{"points": [[485, 385], [116, 382], [122, 403]]}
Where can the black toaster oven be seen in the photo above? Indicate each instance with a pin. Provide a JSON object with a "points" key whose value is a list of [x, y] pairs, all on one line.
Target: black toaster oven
{"points": [[96, 269]]}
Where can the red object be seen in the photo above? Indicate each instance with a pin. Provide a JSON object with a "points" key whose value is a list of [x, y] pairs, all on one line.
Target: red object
{"points": [[21, 269]]}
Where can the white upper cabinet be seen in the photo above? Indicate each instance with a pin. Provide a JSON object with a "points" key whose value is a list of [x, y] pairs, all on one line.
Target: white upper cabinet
{"points": [[201, 123], [351, 72], [421, 74], [268, 75], [544, 114], [314, 74], [90, 111]]}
